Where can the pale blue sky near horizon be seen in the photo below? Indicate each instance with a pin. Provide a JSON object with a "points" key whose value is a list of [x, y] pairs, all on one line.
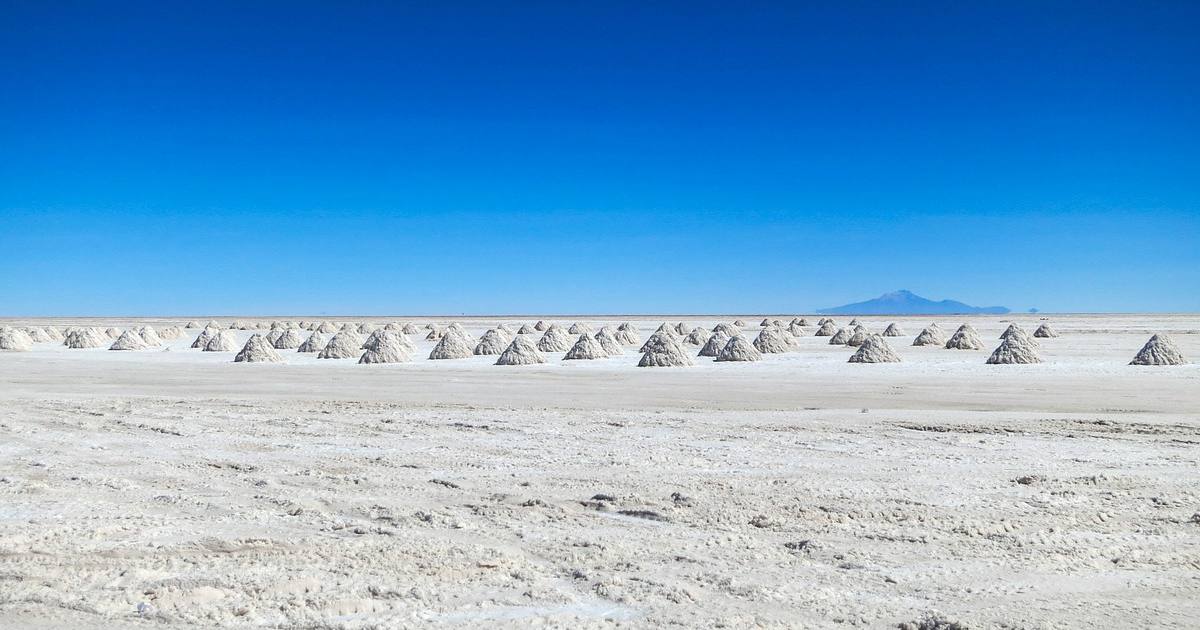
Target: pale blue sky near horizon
{"points": [[394, 158]]}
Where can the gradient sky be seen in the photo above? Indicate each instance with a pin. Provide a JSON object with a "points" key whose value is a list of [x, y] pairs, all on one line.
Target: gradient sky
{"points": [[562, 157]]}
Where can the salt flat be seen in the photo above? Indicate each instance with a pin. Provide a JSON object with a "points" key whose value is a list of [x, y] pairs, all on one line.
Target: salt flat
{"points": [[799, 491]]}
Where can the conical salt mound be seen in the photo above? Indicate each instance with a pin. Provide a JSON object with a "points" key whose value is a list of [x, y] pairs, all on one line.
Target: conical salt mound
{"points": [[579, 328], [627, 335], [765, 322], [555, 339], [965, 338], [681, 329], [273, 335], [1045, 331], [257, 350], [929, 337], [13, 340], [729, 330], [38, 335], [327, 328], [665, 328], [366, 328], [854, 322], [875, 350], [492, 342], [343, 345], [434, 335], [716, 343], [827, 329], [772, 340], [739, 323], [192, 324], [1160, 350], [860, 335], [508, 331], [170, 333], [55, 335], [385, 346], [348, 327], [795, 329], [698, 337], [526, 329], [410, 329], [112, 333], [541, 326], [840, 337], [290, 339], [893, 331], [738, 349], [202, 339], [522, 351], [453, 345], [1016, 349], [86, 338], [1016, 332], [802, 322], [607, 338], [212, 323], [316, 342], [586, 348], [663, 350], [221, 341], [458, 327], [129, 340]]}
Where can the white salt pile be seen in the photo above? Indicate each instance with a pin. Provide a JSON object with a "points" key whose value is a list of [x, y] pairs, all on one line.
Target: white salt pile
{"points": [[366, 328], [192, 324], [327, 328], [541, 326], [212, 323], [410, 329], [13, 340], [728, 330], [343, 345], [86, 338], [1014, 330], [521, 351], [965, 338], [627, 335], [170, 333], [316, 342], [1016, 349], [773, 340], [526, 329], [112, 332], [38, 335], [453, 345], [579, 328], [716, 343], [492, 342], [739, 323], [586, 347], [434, 335], [555, 339], [55, 335], [738, 349], [1159, 350], [129, 340], [697, 337], [858, 337], [765, 322], [150, 336], [826, 329], [681, 329], [663, 350], [289, 339], [257, 350], [221, 341], [607, 338], [273, 335], [875, 349], [385, 346], [840, 337], [795, 329], [893, 330], [1045, 331], [930, 336]]}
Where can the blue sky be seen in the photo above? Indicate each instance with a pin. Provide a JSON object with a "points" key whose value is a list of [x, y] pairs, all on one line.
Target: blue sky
{"points": [[392, 158]]}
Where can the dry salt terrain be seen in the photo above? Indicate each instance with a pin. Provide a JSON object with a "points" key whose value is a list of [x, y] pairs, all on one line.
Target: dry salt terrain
{"points": [[169, 487]]}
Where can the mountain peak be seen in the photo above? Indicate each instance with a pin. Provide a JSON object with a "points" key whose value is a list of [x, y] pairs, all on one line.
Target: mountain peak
{"points": [[905, 302]]}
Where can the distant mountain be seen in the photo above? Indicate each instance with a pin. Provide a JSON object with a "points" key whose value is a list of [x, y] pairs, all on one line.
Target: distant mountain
{"points": [[904, 302]]}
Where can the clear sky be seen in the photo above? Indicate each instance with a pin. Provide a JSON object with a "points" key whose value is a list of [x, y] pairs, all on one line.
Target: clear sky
{"points": [[606, 157]]}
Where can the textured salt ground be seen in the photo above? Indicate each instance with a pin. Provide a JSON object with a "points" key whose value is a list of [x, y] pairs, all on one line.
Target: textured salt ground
{"points": [[344, 514], [327, 494]]}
